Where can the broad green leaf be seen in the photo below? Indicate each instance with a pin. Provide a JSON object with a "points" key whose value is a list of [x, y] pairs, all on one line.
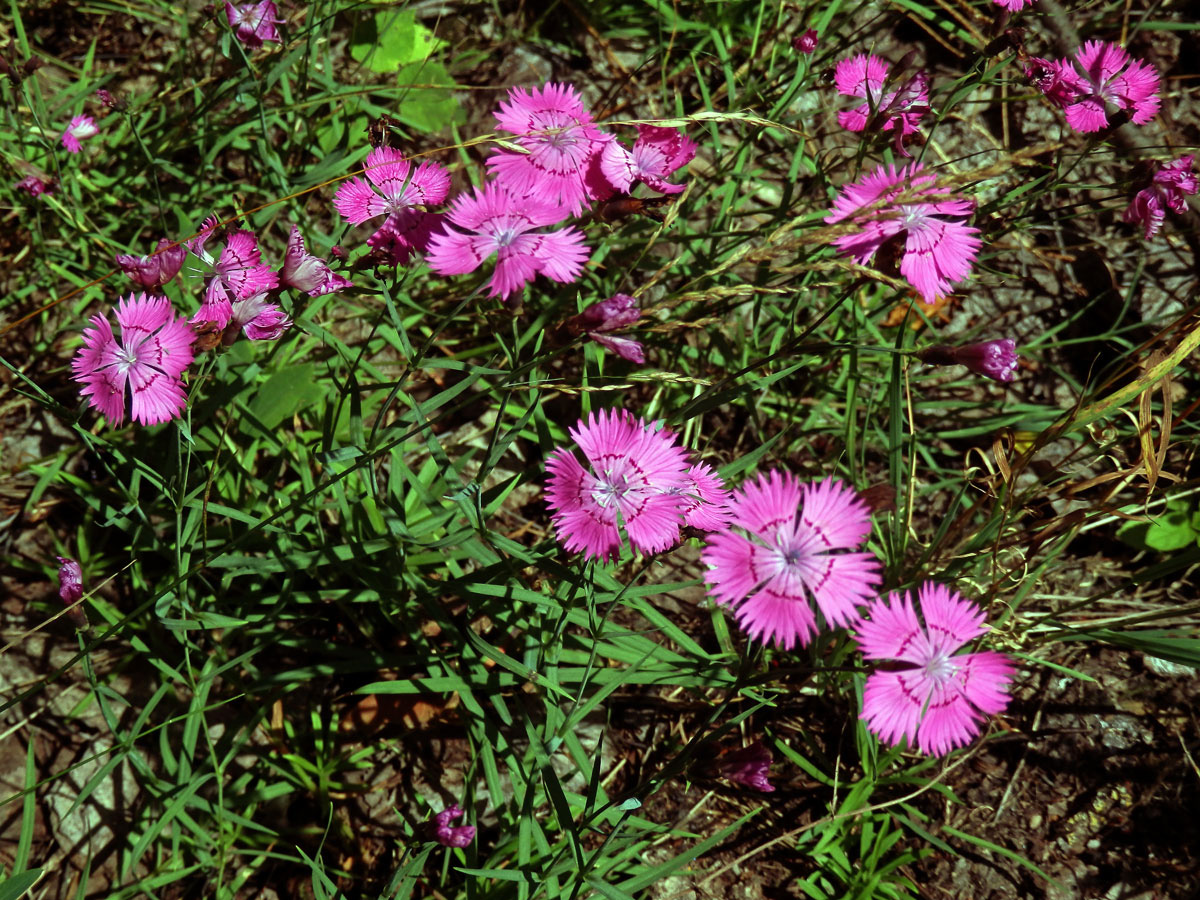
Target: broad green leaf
{"points": [[390, 39]]}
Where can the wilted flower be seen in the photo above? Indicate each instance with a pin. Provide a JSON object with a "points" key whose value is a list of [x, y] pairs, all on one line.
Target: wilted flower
{"points": [[253, 23], [748, 767], [306, 272], [258, 318], [939, 246], [1171, 183], [105, 96], [395, 189], [1103, 75], [992, 359], [1013, 5], [807, 42], [657, 153], [552, 124], [782, 553], [449, 835], [140, 369], [637, 476], [158, 268], [34, 186], [939, 700], [899, 110], [81, 127], [490, 220], [70, 590], [598, 320]]}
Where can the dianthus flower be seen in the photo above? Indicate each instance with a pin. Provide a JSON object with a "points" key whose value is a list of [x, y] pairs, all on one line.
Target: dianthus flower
{"points": [[782, 550], [1013, 5], [158, 268], [1110, 77], [601, 318], [34, 186], [706, 500], [749, 767], [900, 110], [253, 23], [552, 124], [306, 272], [939, 246], [393, 188], [140, 369], [939, 700], [451, 835], [70, 590], [807, 42], [992, 359], [490, 220], [81, 127], [258, 318], [657, 153], [637, 477], [238, 273], [1171, 183]]}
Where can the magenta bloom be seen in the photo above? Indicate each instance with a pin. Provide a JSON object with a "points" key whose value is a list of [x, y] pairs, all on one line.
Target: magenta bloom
{"points": [[657, 153], [606, 316], [782, 550], [1170, 185], [253, 23], [393, 188], [900, 110], [70, 590], [807, 42], [489, 220], [706, 500], [637, 476], [33, 186], [258, 318], [237, 273], [139, 370], [748, 767], [306, 272], [449, 835], [992, 359], [1013, 5], [1109, 78], [939, 700], [939, 246], [158, 268], [81, 127], [552, 124]]}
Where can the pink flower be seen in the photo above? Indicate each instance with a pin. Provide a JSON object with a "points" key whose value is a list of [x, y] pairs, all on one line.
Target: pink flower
{"points": [[158, 268], [748, 767], [306, 272], [106, 97], [1013, 5], [139, 370], [70, 590], [706, 500], [1110, 78], [636, 478], [552, 124], [657, 153], [259, 319], [81, 127], [939, 700], [452, 836], [34, 186], [900, 110], [598, 320], [992, 359], [780, 552], [939, 246], [393, 188], [807, 42], [1170, 185], [489, 220], [253, 23], [237, 273]]}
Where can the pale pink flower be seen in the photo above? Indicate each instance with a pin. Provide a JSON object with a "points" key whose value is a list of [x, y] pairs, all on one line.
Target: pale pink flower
{"points": [[887, 204], [656, 154], [34, 186], [237, 273], [158, 268], [993, 359], [489, 220], [939, 700], [1104, 76], [140, 369], [785, 549], [552, 124], [1171, 183], [449, 835], [253, 23], [636, 475], [306, 272], [606, 316], [748, 767], [807, 42], [396, 190], [81, 127], [899, 110]]}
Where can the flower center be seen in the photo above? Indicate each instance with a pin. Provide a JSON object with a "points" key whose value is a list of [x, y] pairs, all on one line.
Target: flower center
{"points": [[940, 668], [127, 358], [913, 217], [610, 488]]}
